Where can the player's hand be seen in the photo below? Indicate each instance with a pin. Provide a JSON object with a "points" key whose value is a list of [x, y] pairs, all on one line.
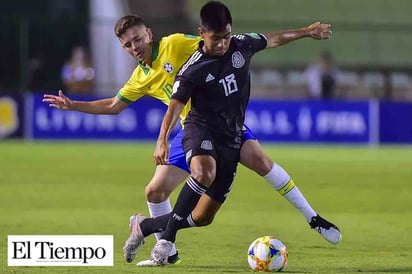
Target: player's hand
{"points": [[320, 31], [161, 154], [61, 101]]}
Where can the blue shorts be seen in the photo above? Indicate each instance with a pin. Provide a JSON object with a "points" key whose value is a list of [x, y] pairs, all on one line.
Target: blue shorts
{"points": [[177, 155]]}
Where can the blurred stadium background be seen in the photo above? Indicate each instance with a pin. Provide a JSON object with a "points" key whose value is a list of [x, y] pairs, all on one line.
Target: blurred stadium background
{"points": [[371, 42]]}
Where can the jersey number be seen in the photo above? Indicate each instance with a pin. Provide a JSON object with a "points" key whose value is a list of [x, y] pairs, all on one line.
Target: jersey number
{"points": [[229, 84], [168, 90]]}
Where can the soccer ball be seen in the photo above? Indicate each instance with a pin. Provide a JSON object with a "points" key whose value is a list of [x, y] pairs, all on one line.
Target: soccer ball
{"points": [[267, 254]]}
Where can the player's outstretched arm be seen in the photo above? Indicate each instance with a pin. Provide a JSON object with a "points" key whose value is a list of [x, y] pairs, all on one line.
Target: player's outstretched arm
{"points": [[60, 101], [317, 30], [161, 154], [103, 106]]}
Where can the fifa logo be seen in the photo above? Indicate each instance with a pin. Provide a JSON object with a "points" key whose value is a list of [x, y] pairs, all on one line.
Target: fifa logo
{"points": [[177, 217]]}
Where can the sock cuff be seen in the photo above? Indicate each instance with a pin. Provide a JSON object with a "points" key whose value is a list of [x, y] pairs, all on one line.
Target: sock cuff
{"points": [[277, 177], [158, 209], [195, 186], [190, 221], [286, 188], [161, 204]]}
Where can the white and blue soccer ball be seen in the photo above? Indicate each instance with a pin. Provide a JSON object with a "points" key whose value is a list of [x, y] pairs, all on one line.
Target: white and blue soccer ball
{"points": [[267, 254]]}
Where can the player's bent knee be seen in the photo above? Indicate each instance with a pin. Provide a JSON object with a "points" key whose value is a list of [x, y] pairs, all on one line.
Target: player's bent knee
{"points": [[265, 165], [205, 211], [204, 177], [203, 220], [155, 194], [261, 164]]}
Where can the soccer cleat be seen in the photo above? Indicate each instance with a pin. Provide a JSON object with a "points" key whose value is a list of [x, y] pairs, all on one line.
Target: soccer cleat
{"points": [[329, 231], [148, 263], [172, 260], [161, 251], [136, 238]]}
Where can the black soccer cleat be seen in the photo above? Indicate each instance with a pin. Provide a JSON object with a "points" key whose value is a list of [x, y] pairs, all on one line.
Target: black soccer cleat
{"points": [[326, 229]]}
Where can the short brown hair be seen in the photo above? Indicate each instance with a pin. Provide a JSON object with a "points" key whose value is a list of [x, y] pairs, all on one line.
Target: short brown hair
{"points": [[126, 22]]}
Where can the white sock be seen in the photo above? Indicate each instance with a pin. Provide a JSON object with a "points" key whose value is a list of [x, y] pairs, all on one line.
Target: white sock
{"points": [[285, 186], [159, 209]]}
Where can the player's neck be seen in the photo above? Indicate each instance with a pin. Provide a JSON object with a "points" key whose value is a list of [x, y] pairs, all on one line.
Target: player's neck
{"points": [[207, 51], [148, 61]]}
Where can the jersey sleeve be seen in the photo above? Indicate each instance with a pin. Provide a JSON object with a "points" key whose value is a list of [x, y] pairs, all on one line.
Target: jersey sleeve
{"points": [[132, 90], [182, 89], [184, 43], [257, 41]]}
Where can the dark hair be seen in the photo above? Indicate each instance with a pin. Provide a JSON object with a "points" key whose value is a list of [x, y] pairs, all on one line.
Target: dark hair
{"points": [[126, 22], [215, 16]]}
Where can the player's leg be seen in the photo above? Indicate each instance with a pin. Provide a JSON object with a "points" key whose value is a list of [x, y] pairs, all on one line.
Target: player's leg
{"points": [[159, 189], [163, 183], [202, 215], [207, 206], [165, 180], [254, 158], [200, 153], [203, 169], [205, 211]]}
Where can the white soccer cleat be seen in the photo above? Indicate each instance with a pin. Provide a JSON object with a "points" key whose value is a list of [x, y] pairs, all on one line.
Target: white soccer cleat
{"points": [[136, 238], [161, 251], [171, 260], [148, 263], [326, 229]]}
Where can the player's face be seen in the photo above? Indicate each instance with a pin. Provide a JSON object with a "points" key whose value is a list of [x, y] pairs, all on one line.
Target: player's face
{"points": [[216, 43], [137, 41]]}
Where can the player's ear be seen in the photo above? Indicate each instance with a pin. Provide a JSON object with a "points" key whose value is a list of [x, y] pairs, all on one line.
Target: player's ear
{"points": [[201, 32], [149, 32]]}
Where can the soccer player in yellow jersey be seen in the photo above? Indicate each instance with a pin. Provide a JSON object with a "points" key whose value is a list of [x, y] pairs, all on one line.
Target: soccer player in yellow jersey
{"points": [[154, 76]]}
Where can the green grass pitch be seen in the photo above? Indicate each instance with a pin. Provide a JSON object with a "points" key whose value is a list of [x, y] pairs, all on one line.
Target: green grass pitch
{"points": [[69, 188]]}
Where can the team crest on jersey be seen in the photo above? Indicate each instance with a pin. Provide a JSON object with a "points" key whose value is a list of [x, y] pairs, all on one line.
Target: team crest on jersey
{"points": [[168, 67], [237, 59], [206, 145]]}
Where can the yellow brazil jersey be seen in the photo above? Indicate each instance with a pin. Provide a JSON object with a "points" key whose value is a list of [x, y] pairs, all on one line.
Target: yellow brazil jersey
{"points": [[168, 56]]}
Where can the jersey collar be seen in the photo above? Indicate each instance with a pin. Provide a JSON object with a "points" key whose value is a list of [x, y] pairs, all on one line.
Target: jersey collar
{"points": [[155, 53], [155, 50]]}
